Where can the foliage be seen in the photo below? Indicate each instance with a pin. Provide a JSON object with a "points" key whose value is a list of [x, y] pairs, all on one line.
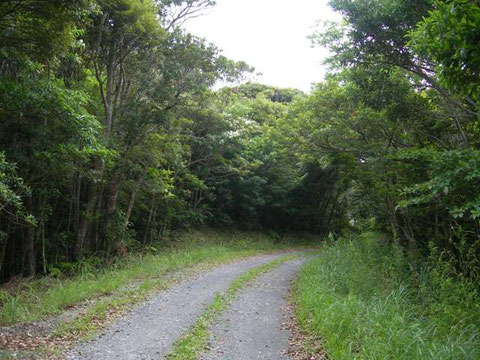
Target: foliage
{"points": [[42, 30], [400, 106], [449, 36], [112, 137], [99, 99], [11, 191], [374, 32], [452, 185]]}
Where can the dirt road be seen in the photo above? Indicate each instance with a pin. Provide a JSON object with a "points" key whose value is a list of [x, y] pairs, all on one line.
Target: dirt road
{"points": [[250, 329], [253, 327]]}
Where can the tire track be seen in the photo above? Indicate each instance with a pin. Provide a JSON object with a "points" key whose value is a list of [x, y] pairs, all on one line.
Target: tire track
{"points": [[149, 331]]}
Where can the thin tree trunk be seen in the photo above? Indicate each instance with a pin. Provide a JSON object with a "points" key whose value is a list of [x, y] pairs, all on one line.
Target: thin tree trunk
{"points": [[131, 203], [112, 193], [71, 208], [44, 258], [393, 221], [150, 216], [109, 91], [394, 225], [78, 194], [332, 211], [4, 243], [30, 251], [108, 198], [412, 243], [85, 222]]}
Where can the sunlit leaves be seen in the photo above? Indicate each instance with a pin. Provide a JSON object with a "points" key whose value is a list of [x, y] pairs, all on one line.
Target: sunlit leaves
{"points": [[450, 36], [12, 190]]}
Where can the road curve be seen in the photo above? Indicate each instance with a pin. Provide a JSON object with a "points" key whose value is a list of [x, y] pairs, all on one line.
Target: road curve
{"points": [[149, 331]]}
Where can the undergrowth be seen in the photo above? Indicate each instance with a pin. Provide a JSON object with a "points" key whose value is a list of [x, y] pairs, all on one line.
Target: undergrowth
{"points": [[361, 298], [33, 300]]}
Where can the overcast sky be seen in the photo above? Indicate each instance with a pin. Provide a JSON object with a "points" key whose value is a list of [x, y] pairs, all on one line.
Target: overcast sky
{"points": [[270, 35]]}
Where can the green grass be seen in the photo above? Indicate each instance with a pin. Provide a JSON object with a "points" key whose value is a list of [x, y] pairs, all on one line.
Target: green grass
{"points": [[87, 324], [37, 299], [195, 341], [364, 303]]}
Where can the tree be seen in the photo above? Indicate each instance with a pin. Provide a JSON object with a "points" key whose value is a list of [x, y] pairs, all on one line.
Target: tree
{"points": [[449, 36], [176, 12], [380, 38]]}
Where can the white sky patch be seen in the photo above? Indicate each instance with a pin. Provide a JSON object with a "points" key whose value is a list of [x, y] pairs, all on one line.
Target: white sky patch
{"points": [[270, 35]]}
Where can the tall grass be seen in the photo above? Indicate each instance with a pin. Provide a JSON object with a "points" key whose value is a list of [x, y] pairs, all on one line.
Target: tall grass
{"points": [[362, 300], [49, 295]]}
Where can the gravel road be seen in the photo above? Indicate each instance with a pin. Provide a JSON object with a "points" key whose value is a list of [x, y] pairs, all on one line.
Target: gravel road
{"points": [[252, 327], [149, 330]]}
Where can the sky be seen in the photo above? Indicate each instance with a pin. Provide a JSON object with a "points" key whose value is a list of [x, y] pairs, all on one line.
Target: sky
{"points": [[270, 35]]}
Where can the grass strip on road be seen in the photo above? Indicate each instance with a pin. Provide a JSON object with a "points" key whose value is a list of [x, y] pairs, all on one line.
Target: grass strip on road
{"points": [[195, 341]]}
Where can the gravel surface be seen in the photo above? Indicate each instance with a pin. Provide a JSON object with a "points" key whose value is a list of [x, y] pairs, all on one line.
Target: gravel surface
{"points": [[253, 327], [149, 331]]}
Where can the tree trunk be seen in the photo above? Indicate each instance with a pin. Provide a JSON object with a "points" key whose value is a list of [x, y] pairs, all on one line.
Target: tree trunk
{"points": [[150, 216], [85, 222], [30, 251], [112, 193], [77, 187], [135, 189], [394, 225], [4, 243], [332, 211], [44, 256], [392, 217], [108, 203]]}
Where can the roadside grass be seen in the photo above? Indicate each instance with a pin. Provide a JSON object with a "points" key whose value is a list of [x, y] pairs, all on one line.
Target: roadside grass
{"points": [[86, 325], [364, 303], [195, 341], [37, 299]]}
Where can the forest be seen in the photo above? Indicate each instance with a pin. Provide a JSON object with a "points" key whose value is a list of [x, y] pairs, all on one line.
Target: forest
{"points": [[115, 137], [112, 136]]}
